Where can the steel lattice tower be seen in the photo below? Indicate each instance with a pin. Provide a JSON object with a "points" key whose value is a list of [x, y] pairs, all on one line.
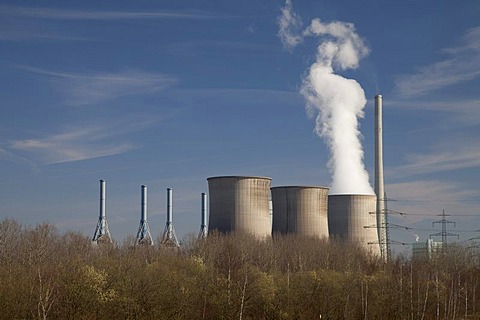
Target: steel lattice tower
{"points": [[444, 234]]}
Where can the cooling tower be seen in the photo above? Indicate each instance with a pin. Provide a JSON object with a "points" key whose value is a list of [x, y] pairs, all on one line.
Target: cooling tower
{"points": [[352, 217], [300, 210], [240, 204]]}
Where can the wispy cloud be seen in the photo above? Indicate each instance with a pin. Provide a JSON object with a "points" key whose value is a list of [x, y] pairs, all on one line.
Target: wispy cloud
{"points": [[462, 64], [12, 157], [455, 154], [92, 88], [447, 160], [63, 14], [461, 112], [18, 23], [79, 143], [430, 191]]}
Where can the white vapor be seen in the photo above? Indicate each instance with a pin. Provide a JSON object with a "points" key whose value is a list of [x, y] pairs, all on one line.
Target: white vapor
{"points": [[335, 101], [289, 24]]}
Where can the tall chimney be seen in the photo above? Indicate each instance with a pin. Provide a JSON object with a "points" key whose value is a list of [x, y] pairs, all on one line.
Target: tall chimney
{"points": [[102, 199], [102, 234], [143, 233], [144, 203], [169, 206], [379, 182], [203, 226], [169, 237]]}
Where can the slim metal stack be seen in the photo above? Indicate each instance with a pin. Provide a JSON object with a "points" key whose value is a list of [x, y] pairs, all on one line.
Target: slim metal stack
{"points": [[169, 237], [143, 233], [102, 233]]}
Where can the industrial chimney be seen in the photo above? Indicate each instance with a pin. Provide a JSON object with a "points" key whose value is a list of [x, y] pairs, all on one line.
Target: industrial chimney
{"points": [[203, 226], [379, 182], [143, 234], [169, 238], [102, 234]]}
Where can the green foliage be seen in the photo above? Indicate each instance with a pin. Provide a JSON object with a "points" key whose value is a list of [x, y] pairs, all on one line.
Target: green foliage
{"points": [[46, 275]]}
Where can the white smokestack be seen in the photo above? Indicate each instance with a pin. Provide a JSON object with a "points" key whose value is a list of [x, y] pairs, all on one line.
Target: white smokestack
{"points": [[379, 182], [337, 102]]}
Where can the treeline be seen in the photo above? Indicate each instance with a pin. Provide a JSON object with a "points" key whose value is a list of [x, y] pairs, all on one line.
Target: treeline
{"points": [[48, 275]]}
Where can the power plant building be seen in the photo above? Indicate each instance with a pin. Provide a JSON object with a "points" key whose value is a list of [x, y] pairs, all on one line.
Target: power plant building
{"points": [[352, 217], [300, 210], [240, 204]]}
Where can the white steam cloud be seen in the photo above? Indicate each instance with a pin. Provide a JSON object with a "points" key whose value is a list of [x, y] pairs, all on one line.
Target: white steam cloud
{"points": [[335, 101]]}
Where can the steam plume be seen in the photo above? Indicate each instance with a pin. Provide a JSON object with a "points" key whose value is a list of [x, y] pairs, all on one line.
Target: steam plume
{"points": [[336, 102]]}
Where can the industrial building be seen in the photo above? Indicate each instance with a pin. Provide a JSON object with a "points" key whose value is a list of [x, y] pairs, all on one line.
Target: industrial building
{"points": [[426, 250], [249, 204], [240, 204], [352, 217], [300, 210]]}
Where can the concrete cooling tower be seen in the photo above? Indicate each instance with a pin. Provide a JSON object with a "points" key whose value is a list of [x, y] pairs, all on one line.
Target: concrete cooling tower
{"points": [[352, 217], [240, 204], [300, 210]]}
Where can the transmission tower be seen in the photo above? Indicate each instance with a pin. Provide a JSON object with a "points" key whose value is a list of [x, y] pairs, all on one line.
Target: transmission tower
{"points": [[384, 228], [387, 228], [444, 234]]}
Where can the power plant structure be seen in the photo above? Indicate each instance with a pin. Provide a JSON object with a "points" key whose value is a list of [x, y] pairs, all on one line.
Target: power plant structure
{"points": [[143, 233], [169, 237], [243, 204], [300, 210], [203, 226], [381, 212], [240, 204], [102, 234], [352, 217]]}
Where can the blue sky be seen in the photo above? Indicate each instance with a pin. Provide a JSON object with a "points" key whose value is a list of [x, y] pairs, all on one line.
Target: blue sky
{"points": [[169, 93]]}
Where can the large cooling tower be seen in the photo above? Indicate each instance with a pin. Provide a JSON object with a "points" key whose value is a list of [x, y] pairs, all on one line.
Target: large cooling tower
{"points": [[352, 217], [240, 204], [300, 210]]}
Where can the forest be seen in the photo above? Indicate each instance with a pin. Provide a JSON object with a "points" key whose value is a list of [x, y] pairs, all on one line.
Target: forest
{"points": [[45, 274]]}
